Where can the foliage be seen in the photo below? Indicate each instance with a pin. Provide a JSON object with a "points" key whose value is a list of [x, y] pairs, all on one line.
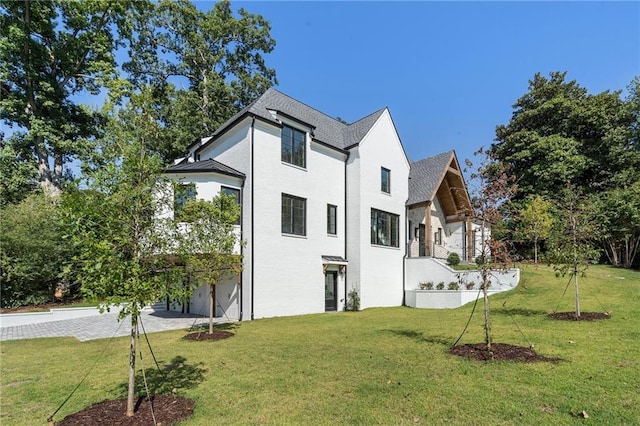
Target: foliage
{"points": [[203, 66], [353, 300], [207, 242], [17, 175], [426, 286], [453, 259], [453, 285], [618, 212], [32, 251], [571, 243], [378, 369], [534, 222], [50, 52], [440, 285]]}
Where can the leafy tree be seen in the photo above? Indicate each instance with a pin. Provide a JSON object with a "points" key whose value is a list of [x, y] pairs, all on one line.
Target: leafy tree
{"points": [[17, 175], [491, 187], [618, 212], [50, 52], [571, 243], [535, 222], [559, 133], [32, 251], [209, 242], [204, 66]]}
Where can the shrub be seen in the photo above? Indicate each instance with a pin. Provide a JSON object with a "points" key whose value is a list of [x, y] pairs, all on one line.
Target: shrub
{"points": [[453, 259], [426, 286], [440, 286], [353, 300], [470, 285], [453, 285]]}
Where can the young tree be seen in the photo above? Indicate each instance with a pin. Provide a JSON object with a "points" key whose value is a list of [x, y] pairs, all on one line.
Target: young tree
{"points": [[572, 242], [52, 51], [535, 222], [491, 187], [209, 243]]}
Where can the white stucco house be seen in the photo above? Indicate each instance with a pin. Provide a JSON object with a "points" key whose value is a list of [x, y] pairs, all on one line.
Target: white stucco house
{"points": [[327, 207]]}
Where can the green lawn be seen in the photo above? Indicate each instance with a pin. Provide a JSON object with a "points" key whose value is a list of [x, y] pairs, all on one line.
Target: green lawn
{"points": [[378, 366]]}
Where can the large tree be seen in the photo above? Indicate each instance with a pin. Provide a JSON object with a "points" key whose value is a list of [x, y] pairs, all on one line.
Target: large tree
{"points": [[560, 133], [204, 66], [50, 53]]}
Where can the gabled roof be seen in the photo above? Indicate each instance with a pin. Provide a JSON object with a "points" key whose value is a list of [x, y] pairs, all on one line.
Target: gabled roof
{"points": [[425, 177], [205, 166], [326, 130], [440, 177]]}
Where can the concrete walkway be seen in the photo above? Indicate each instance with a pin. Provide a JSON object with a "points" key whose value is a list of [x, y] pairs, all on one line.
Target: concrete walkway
{"points": [[88, 324]]}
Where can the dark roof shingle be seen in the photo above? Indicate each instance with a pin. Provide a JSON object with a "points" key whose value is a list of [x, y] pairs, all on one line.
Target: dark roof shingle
{"points": [[425, 176], [204, 166]]}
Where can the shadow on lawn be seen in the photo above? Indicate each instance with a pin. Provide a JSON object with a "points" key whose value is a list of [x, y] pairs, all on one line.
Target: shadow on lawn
{"points": [[175, 376], [519, 311], [204, 326], [420, 337]]}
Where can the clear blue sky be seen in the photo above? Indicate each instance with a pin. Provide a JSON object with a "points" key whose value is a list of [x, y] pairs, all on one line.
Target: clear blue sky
{"points": [[448, 71]]}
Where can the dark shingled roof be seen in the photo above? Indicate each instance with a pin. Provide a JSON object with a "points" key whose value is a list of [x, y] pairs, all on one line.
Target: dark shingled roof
{"points": [[205, 166], [334, 259], [326, 129], [425, 176]]}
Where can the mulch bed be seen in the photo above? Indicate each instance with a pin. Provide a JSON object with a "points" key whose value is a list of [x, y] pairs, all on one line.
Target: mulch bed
{"points": [[40, 307], [167, 409], [499, 352], [584, 316], [205, 335]]}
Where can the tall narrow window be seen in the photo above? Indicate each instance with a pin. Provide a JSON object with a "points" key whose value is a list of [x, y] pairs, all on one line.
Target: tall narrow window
{"points": [[384, 228], [437, 237], [294, 212], [182, 193], [332, 219], [385, 180], [293, 148], [236, 194]]}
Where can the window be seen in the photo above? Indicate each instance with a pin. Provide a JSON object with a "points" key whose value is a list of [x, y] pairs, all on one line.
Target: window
{"points": [[293, 150], [236, 193], [332, 219], [181, 194], [294, 212], [437, 237], [384, 228], [385, 180]]}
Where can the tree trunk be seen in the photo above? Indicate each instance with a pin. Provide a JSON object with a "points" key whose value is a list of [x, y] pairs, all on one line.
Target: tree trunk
{"points": [[487, 324], [535, 250], [212, 306], [575, 283], [132, 365]]}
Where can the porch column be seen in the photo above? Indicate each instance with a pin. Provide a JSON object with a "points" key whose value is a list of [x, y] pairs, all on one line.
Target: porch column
{"points": [[469, 239], [429, 239]]}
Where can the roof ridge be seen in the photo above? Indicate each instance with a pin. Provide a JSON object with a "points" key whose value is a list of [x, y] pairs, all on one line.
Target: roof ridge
{"points": [[379, 111], [307, 105]]}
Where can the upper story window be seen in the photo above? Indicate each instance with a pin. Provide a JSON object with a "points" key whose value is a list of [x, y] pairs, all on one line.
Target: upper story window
{"points": [[182, 193], [385, 180], [236, 194], [332, 219], [437, 237], [384, 228], [294, 215], [293, 149]]}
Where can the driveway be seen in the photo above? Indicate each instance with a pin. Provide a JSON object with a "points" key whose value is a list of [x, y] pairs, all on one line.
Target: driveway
{"points": [[88, 324]]}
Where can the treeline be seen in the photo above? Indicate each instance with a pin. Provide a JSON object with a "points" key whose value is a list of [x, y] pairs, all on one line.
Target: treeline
{"points": [[165, 74], [572, 155]]}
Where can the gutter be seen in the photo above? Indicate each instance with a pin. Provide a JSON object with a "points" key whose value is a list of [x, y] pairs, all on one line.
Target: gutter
{"points": [[345, 229]]}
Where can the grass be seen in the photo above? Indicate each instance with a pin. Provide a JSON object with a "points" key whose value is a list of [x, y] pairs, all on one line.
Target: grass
{"points": [[378, 366]]}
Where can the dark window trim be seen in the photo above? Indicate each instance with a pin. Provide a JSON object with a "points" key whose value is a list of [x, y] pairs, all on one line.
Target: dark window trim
{"points": [[291, 145], [390, 222], [290, 228], [385, 186], [332, 213]]}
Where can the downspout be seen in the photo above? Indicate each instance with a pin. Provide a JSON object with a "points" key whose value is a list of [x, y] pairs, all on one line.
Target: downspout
{"points": [[345, 230], [241, 251], [406, 250], [253, 120]]}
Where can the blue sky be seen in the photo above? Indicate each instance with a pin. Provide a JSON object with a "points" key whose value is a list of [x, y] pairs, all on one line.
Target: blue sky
{"points": [[448, 71]]}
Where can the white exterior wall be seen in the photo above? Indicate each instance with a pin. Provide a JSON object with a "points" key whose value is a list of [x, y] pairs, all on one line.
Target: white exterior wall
{"points": [[455, 238], [416, 216], [289, 278], [377, 270]]}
